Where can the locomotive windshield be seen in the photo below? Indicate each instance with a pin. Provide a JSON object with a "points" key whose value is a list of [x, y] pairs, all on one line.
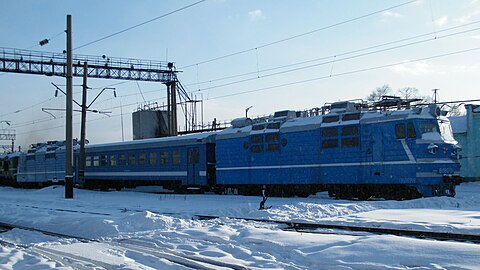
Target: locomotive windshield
{"points": [[440, 130], [446, 131]]}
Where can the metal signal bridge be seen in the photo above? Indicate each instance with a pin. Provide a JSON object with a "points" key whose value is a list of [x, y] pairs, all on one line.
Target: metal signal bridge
{"points": [[54, 64]]}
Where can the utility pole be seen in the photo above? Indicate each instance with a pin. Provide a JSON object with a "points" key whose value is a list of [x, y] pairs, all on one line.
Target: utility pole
{"points": [[81, 160], [69, 116], [435, 95]]}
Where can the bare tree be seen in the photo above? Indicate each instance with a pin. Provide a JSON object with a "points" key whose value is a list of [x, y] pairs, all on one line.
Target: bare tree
{"points": [[377, 94], [408, 93]]}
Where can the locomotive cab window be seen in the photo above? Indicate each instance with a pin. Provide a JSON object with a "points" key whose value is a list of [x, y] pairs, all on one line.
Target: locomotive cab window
{"points": [[411, 131], [350, 142], [272, 148], [350, 130], [272, 137], [256, 149], [400, 131], [330, 119]]}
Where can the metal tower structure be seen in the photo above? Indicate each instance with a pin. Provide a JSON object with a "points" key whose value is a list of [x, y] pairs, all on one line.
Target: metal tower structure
{"points": [[103, 67]]}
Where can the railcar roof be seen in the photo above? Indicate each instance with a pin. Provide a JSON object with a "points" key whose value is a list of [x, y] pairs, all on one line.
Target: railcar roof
{"points": [[166, 141]]}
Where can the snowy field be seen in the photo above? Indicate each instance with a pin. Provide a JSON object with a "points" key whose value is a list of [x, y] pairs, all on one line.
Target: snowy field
{"points": [[157, 231]]}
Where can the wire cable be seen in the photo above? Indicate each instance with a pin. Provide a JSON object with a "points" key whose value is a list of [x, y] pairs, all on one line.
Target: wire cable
{"points": [[299, 35], [138, 25], [328, 57], [346, 73]]}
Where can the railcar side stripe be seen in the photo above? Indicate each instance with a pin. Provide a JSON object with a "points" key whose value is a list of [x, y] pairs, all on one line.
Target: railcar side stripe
{"points": [[330, 165], [168, 173]]}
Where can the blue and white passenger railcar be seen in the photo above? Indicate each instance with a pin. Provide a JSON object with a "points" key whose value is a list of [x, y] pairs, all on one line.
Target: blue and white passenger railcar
{"points": [[173, 162], [349, 152]]}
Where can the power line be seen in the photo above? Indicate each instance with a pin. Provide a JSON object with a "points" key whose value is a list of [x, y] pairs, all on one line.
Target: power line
{"points": [[138, 25], [298, 35], [336, 60], [334, 56], [345, 73]]}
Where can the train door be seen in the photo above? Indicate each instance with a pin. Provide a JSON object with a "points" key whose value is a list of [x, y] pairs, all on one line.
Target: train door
{"points": [[193, 165], [372, 149]]}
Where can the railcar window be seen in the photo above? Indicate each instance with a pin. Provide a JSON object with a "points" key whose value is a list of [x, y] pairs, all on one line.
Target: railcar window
{"points": [[163, 157], [131, 159], [349, 130], [272, 137], [142, 159], [411, 131], [96, 161], [193, 156], [256, 138], [113, 160], [400, 131], [350, 142], [330, 119], [88, 161], [103, 160], [258, 127], [176, 157], [330, 132], [122, 161], [330, 143], [256, 149], [273, 125], [272, 148], [352, 116], [153, 158]]}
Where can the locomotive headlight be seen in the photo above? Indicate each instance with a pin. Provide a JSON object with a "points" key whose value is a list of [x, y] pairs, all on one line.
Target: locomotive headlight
{"points": [[432, 148]]}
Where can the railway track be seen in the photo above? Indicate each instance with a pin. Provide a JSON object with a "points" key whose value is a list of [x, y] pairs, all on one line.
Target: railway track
{"points": [[311, 227], [80, 262]]}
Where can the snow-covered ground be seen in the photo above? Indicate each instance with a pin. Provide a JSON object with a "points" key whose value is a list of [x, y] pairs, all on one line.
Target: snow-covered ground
{"points": [[158, 231]]}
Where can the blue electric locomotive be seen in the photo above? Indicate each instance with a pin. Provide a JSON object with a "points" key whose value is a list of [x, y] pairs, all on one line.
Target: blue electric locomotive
{"points": [[350, 151]]}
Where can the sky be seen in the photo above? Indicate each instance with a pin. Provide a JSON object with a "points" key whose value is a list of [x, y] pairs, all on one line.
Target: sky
{"points": [[284, 55]]}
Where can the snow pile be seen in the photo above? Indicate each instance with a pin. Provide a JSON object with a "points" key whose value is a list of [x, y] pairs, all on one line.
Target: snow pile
{"points": [[167, 223]]}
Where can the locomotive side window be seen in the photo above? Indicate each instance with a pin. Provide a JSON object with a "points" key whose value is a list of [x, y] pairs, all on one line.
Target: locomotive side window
{"points": [[113, 160], [272, 137], [349, 130], [330, 132], [350, 142], [273, 125], [176, 157], [256, 149], [272, 148], [352, 116], [428, 127], [411, 131], [330, 143], [88, 161], [256, 138], [163, 157], [153, 158], [330, 119], [400, 131], [258, 127]]}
